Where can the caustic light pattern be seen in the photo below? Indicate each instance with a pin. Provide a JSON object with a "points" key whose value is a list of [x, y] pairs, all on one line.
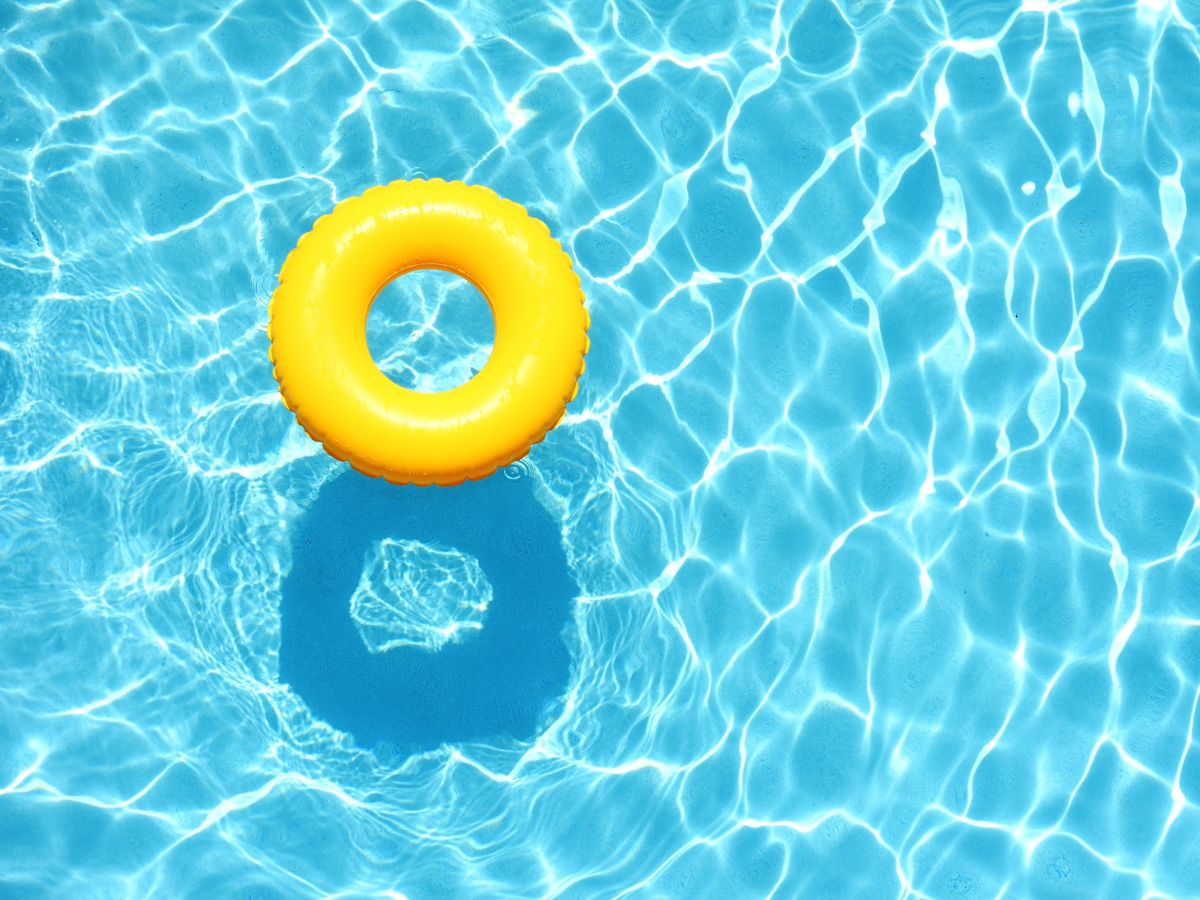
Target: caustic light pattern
{"points": [[874, 530]]}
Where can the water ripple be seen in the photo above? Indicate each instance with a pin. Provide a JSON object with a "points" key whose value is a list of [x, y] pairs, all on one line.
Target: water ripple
{"points": [[879, 495]]}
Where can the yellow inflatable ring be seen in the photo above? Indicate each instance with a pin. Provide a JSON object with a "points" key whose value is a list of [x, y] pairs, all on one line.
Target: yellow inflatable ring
{"points": [[318, 334]]}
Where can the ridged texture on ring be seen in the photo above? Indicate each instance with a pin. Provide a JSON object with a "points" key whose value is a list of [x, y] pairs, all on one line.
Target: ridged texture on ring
{"points": [[351, 440]]}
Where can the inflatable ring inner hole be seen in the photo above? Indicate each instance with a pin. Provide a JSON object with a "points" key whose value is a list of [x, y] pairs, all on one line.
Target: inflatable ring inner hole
{"points": [[430, 330]]}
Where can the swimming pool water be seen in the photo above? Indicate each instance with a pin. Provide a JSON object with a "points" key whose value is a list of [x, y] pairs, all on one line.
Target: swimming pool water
{"points": [[872, 541]]}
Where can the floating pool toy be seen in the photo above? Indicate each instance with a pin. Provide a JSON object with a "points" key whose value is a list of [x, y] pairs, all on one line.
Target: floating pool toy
{"points": [[318, 332]]}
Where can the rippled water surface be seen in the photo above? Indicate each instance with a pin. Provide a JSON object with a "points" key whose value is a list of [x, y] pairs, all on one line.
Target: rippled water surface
{"points": [[867, 563]]}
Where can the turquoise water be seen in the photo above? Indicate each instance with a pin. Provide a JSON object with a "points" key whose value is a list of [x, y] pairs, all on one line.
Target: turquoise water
{"points": [[867, 563]]}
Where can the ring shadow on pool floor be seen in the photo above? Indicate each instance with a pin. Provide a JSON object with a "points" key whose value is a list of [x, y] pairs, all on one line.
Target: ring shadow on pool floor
{"points": [[497, 682]]}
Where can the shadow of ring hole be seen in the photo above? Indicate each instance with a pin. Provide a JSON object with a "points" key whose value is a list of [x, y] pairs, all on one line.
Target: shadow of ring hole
{"points": [[497, 680]]}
